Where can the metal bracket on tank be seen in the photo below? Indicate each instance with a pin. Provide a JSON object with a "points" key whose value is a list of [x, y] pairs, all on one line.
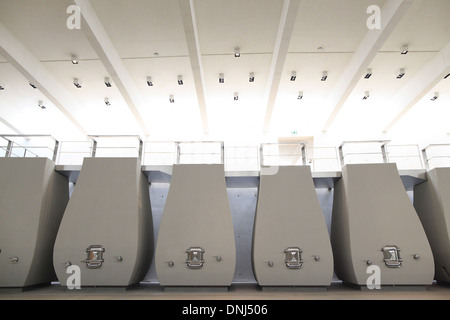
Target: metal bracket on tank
{"points": [[195, 257], [94, 256], [293, 257], [392, 256]]}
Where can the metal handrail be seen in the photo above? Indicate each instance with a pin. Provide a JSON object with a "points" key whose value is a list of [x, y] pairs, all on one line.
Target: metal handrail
{"points": [[302, 153], [12, 143], [383, 150]]}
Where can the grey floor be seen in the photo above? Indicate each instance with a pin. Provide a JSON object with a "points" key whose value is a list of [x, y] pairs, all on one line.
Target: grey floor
{"points": [[149, 291]]}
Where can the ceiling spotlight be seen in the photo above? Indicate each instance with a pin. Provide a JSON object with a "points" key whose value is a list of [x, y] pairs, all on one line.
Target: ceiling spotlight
{"points": [[1, 88], [436, 95], [237, 53], [293, 76], [180, 80], [76, 84], [324, 76], [74, 59], [107, 102], [447, 76], [401, 73], [366, 95], [236, 96], [171, 99], [300, 95], [149, 81], [32, 85], [368, 74], [404, 50], [41, 104], [221, 78], [107, 83], [251, 77]]}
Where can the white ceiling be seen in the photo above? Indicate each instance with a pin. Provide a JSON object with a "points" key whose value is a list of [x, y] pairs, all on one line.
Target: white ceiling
{"points": [[129, 40]]}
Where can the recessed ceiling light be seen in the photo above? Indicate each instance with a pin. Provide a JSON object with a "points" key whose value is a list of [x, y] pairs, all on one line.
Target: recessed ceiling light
{"points": [[41, 104], [74, 59], [107, 102], [368, 74], [221, 78], [251, 77], [236, 96], [1, 88], [149, 81], [401, 73], [171, 99], [237, 53], [435, 97], [404, 50], [324, 76], [300, 95], [156, 54], [320, 49], [293, 76], [180, 80], [76, 83], [366, 95], [107, 83]]}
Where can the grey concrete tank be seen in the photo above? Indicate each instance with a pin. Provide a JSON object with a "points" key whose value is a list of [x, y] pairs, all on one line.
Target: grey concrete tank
{"points": [[374, 224], [196, 245], [32, 201], [291, 244], [107, 229], [432, 203]]}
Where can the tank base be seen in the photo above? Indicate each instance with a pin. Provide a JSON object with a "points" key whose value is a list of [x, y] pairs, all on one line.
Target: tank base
{"points": [[294, 288], [392, 287]]}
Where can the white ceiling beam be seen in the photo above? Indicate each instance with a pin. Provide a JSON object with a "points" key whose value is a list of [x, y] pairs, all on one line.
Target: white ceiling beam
{"points": [[420, 85], [103, 46], [15, 52], [10, 126], [192, 41], [390, 15], [282, 42]]}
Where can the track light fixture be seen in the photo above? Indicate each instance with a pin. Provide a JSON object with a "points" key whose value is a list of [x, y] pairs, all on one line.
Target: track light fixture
{"points": [[180, 80], [237, 53], [300, 95], [435, 97], [171, 99], [293, 76], [107, 83], [107, 102], [404, 50], [1, 88], [368, 74], [447, 76], [41, 105], [221, 78], [149, 81], [251, 77], [236, 96], [74, 59], [324, 76], [76, 83], [401, 73], [366, 95], [32, 85]]}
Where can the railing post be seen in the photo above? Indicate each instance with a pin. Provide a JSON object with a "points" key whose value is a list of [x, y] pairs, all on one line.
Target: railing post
{"points": [[9, 149]]}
